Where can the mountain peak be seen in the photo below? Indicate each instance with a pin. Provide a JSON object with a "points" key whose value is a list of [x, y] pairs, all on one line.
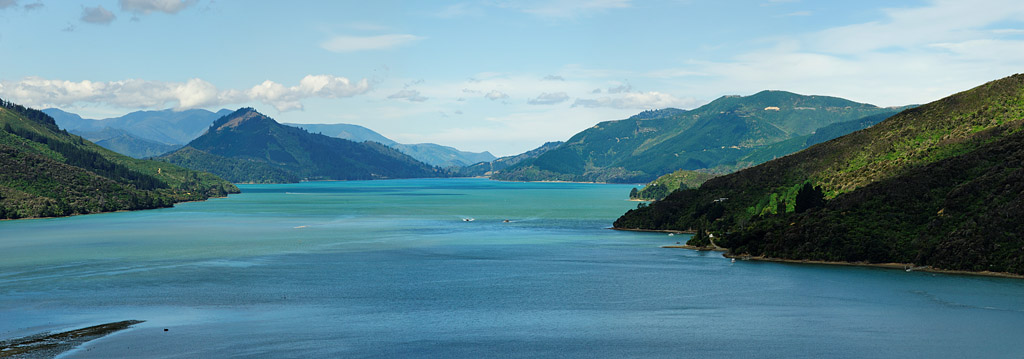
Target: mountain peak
{"points": [[237, 118]]}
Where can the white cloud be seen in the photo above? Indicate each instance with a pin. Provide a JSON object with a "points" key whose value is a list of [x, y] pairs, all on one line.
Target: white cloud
{"points": [[908, 55], [941, 21], [549, 98], [149, 6], [407, 94], [644, 100], [97, 15], [194, 93], [345, 43], [554, 78], [496, 95]]}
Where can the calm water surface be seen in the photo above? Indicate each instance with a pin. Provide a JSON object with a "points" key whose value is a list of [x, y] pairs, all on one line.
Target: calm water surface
{"points": [[389, 268]]}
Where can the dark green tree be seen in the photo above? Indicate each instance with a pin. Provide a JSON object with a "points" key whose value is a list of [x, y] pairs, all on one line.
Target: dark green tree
{"points": [[809, 197]]}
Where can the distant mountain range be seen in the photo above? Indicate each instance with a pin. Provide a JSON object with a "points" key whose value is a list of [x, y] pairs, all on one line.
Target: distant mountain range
{"points": [[48, 172], [729, 133], [940, 185], [143, 134], [500, 164], [247, 146], [429, 153]]}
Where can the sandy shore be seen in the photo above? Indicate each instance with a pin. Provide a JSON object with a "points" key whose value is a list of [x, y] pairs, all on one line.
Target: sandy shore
{"points": [[48, 345]]}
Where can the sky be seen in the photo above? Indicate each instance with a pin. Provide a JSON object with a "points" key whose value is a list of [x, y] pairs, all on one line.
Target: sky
{"points": [[498, 76]]}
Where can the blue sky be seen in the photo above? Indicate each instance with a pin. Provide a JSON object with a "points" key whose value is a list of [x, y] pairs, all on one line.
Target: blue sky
{"points": [[501, 76]]}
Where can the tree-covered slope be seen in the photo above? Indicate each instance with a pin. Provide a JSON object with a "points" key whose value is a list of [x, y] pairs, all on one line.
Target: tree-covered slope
{"points": [[662, 186], [47, 172], [247, 146], [721, 133], [932, 185]]}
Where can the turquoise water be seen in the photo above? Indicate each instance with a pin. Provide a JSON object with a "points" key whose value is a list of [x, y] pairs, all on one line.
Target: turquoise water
{"points": [[390, 268]]}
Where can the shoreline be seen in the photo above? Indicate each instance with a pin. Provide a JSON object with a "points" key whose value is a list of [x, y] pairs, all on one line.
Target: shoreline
{"points": [[673, 231], [120, 210], [903, 266], [50, 345]]}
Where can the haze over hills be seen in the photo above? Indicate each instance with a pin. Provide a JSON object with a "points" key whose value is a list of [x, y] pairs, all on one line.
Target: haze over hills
{"points": [[429, 153], [47, 172], [141, 133], [717, 135], [497, 165], [149, 133], [937, 185], [247, 146]]}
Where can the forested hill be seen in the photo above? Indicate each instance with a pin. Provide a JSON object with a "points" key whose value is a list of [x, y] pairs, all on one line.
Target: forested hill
{"points": [[247, 146], [720, 134], [939, 185], [47, 172]]}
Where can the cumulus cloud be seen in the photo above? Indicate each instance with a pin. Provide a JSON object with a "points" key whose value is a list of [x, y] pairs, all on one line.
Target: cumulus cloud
{"points": [[407, 94], [149, 6], [496, 95], [642, 100], [345, 43], [549, 98], [97, 15], [194, 93]]}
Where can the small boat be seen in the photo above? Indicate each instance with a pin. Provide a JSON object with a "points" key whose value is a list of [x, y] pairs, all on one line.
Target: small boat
{"points": [[468, 219], [505, 221], [734, 260]]}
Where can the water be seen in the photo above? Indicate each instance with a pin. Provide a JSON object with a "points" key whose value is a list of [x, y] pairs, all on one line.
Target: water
{"points": [[389, 268]]}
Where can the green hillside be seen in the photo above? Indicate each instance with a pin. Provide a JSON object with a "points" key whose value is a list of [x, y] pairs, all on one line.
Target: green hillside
{"points": [[47, 172], [661, 187], [247, 146], [935, 185], [719, 134]]}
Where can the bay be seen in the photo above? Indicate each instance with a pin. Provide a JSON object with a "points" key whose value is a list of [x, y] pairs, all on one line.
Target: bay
{"points": [[393, 268]]}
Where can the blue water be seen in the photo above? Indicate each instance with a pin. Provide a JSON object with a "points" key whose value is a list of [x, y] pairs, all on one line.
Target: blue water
{"points": [[389, 268]]}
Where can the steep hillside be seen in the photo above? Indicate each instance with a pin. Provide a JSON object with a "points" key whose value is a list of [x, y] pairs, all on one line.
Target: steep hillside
{"points": [[247, 146], [721, 133], [47, 172], [429, 153], [934, 185], [661, 187]]}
